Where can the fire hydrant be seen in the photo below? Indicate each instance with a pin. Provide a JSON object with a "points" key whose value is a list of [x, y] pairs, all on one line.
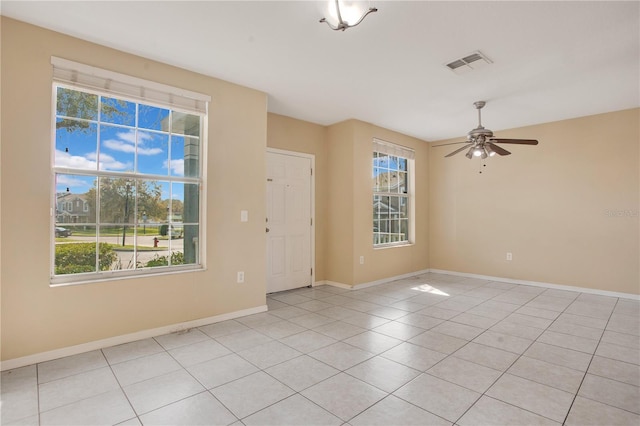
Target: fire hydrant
{"points": [[155, 241]]}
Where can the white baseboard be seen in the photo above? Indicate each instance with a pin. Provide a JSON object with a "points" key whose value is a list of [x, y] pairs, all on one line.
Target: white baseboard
{"points": [[540, 284], [125, 338], [337, 284], [484, 277], [372, 283], [388, 280]]}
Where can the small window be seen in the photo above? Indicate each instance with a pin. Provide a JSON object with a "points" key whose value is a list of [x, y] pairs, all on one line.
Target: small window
{"points": [[392, 194]]}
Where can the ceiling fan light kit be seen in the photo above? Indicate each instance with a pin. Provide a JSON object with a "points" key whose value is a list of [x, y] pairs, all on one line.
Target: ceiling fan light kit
{"points": [[482, 143]]}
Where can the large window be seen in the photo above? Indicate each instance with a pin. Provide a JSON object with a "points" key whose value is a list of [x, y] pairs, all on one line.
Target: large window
{"points": [[128, 184], [392, 177]]}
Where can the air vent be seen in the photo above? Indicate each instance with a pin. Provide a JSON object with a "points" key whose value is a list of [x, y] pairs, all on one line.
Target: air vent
{"points": [[469, 62]]}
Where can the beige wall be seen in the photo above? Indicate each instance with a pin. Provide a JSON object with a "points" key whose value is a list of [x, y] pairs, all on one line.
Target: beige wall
{"points": [[350, 207], [344, 198], [387, 262], [37, 318], [546, 204], [301, 136]]}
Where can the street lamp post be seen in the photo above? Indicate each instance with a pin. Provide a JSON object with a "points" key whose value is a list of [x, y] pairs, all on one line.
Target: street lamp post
{"points": [[126, 213], [144, 222]]}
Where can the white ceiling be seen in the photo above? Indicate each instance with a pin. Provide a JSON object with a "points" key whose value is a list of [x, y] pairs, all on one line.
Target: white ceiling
{"points": [[551, 60]]}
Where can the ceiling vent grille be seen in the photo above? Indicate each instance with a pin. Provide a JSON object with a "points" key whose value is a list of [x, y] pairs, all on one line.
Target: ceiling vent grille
{"points": [[473, 60]]}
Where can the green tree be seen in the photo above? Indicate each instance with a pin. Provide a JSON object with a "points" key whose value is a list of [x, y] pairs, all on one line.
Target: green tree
{"points": [[72, 103], [177, 206], [118, 203]]}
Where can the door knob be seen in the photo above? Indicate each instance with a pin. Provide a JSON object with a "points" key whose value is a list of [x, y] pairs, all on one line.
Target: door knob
{"points": [[267, 230]]}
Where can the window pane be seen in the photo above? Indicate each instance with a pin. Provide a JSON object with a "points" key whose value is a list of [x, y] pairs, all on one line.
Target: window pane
{"points": [[73, 103], [117, 111], [383, 181], [393, 181], [117, 148], [190, 254], [117, 200], [383, 160], [402, 182], [384, 207], [153, 118], [185, 204], [153, 251], [153, 153], [76, 144], [402, 164], [394, 206], [151, 208], [185, 124], [404, 207], [185, 156], [393, 163], [78, 255], [404, 229], [376, 178], [116, 248], [75, 199]]}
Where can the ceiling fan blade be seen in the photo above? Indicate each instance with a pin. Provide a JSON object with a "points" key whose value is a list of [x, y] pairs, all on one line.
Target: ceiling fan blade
{"points": [[498, 150], [516, 141], [458, 150], [451, 143]]}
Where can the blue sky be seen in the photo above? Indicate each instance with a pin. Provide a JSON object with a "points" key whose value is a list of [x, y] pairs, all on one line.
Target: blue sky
{"points": [[122, 148], [384, 163]]}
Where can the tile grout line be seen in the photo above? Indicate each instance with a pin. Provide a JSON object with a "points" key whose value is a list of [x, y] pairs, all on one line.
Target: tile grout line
{"points": [[378, 295], [504, 372], [589, 365]]}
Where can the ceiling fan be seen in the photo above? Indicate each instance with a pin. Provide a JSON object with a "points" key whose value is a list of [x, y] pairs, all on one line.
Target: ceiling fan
{"points": [[482, 143]]}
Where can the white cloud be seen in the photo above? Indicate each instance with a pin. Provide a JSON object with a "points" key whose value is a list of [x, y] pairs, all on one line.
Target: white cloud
{"points": [[125, 142], [72, 181], [177, 167], [129, 136], [118, 145], [88, 162]]}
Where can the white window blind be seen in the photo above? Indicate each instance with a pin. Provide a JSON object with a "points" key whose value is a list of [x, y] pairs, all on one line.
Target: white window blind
{"points": [[393, 149], [92, 78]]}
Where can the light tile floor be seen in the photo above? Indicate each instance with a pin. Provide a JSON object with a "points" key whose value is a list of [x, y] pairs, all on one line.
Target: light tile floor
{"points": [[432, 349]]}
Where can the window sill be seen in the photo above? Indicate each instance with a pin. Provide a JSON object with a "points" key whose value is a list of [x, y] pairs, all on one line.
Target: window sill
{"points": [[64, 281], [388, 246]]}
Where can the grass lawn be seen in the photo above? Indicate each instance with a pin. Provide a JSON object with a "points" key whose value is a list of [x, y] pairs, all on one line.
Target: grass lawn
{"points": [[109, 232]]}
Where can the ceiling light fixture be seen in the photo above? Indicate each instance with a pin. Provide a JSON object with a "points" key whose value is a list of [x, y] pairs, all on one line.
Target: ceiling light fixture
{"points": [[349, 14], [469, 153]]}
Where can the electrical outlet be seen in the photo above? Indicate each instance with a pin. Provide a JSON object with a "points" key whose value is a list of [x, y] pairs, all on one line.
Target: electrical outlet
{"points": [[240, 276], [362, 260], [244, 216], [509, 256]]}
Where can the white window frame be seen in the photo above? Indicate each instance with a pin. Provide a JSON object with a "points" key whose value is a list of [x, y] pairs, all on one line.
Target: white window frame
{"points": [[101, 82], [408, 154]]}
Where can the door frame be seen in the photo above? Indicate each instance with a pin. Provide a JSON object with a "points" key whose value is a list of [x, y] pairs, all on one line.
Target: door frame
{"points": [[312, 205]]}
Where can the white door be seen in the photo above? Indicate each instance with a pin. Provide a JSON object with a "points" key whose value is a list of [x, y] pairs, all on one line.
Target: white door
{"points": [[288, 223]]}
